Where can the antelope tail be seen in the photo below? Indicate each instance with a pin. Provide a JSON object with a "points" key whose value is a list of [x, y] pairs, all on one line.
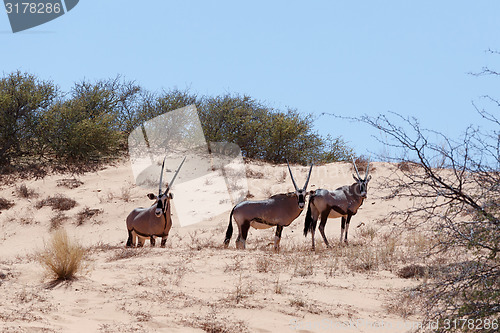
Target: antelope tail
{"points": [[129, 240], [308, 225], [229, 231]]}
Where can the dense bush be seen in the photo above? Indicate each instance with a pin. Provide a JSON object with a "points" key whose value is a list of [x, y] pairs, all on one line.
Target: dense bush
{"points": [[23, 99], [41, 125]]}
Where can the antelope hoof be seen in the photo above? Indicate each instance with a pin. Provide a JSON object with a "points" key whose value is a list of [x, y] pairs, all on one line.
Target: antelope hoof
{"points": [[240, 245], [346, 242]]}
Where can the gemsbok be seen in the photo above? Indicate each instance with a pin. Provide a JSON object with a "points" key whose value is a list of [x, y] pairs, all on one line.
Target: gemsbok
{"points": [[277, 211], [343, 202], [154, 221]]}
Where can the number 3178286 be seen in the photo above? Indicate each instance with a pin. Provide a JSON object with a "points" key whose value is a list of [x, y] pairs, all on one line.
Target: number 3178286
{"points": [[471, 324], [33, 8]]}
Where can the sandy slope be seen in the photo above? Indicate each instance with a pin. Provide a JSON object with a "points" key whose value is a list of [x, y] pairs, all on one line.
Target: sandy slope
{"points": [[194, 284]]}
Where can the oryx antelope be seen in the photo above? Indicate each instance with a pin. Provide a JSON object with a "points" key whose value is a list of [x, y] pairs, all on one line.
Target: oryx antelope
{"points": [[343, 202], [277, 211], [154, 221]]}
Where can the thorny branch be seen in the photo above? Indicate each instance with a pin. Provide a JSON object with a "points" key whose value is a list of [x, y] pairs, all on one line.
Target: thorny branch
{"points": [[454, 186]]}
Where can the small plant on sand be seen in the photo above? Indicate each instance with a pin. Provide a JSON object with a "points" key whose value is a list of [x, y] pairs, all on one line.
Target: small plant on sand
{"points": [[57, 220], [213, 322], [263, 264], [5, 204], [62, 258], [25, 192], [70, 183], [86, 214], [57, 202], [278, 287], [125, 194]]}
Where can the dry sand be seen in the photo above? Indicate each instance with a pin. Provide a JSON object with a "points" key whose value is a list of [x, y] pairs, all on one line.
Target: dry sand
{"points": [[194, 284]]}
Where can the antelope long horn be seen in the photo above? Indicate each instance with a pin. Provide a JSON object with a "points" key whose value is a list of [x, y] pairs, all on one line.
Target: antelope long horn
{"points": [[161, 175], [355, 167], [308, 176], [178, 169], [291, 175], [367, 168]]}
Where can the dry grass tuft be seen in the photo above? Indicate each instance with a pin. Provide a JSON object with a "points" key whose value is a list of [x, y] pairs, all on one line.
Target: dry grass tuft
{"points": [[263, 264], [412, 271], [57, 220], [70, 183], [368, 232], [5, 204], [85, 214], [405, 304], [298, 302], [407, 166], [254, 174], [361, 164], [23, 191], [362, 260], [62, 258], [213, 323], [126, 196], [57, 202], [125, 253], [282, 177]]}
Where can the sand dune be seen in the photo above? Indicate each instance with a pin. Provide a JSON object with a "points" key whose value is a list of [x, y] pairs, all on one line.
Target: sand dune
{"points": [[194, 284]]}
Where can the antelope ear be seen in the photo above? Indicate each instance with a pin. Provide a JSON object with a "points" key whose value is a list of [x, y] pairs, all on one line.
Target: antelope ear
{"points": [[171, 195], [152, 196], [311, 192], [369, 177], [355, 178]]}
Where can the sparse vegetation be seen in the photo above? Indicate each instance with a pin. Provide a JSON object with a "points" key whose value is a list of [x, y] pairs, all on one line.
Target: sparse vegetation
{"points": [[298, 302], [5, 204], [125, 194], [263, 264], [362, 163], [57, 220], [213, 323], [70, 183], [57, 202], [24, 192], [85, 214], [278, 287], [407, 166], [463, 218], [412, 271], [254, 174], [454, 193], [126, 253], [404, 304], [62, 258]]}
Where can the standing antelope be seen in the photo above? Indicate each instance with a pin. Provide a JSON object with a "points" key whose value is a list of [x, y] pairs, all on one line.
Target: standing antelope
{"points": [[343, 202], [154, 221], [279, 210]]}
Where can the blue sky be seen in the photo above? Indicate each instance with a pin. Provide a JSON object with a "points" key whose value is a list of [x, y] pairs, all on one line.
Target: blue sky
{"points": [[349, 58]]}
